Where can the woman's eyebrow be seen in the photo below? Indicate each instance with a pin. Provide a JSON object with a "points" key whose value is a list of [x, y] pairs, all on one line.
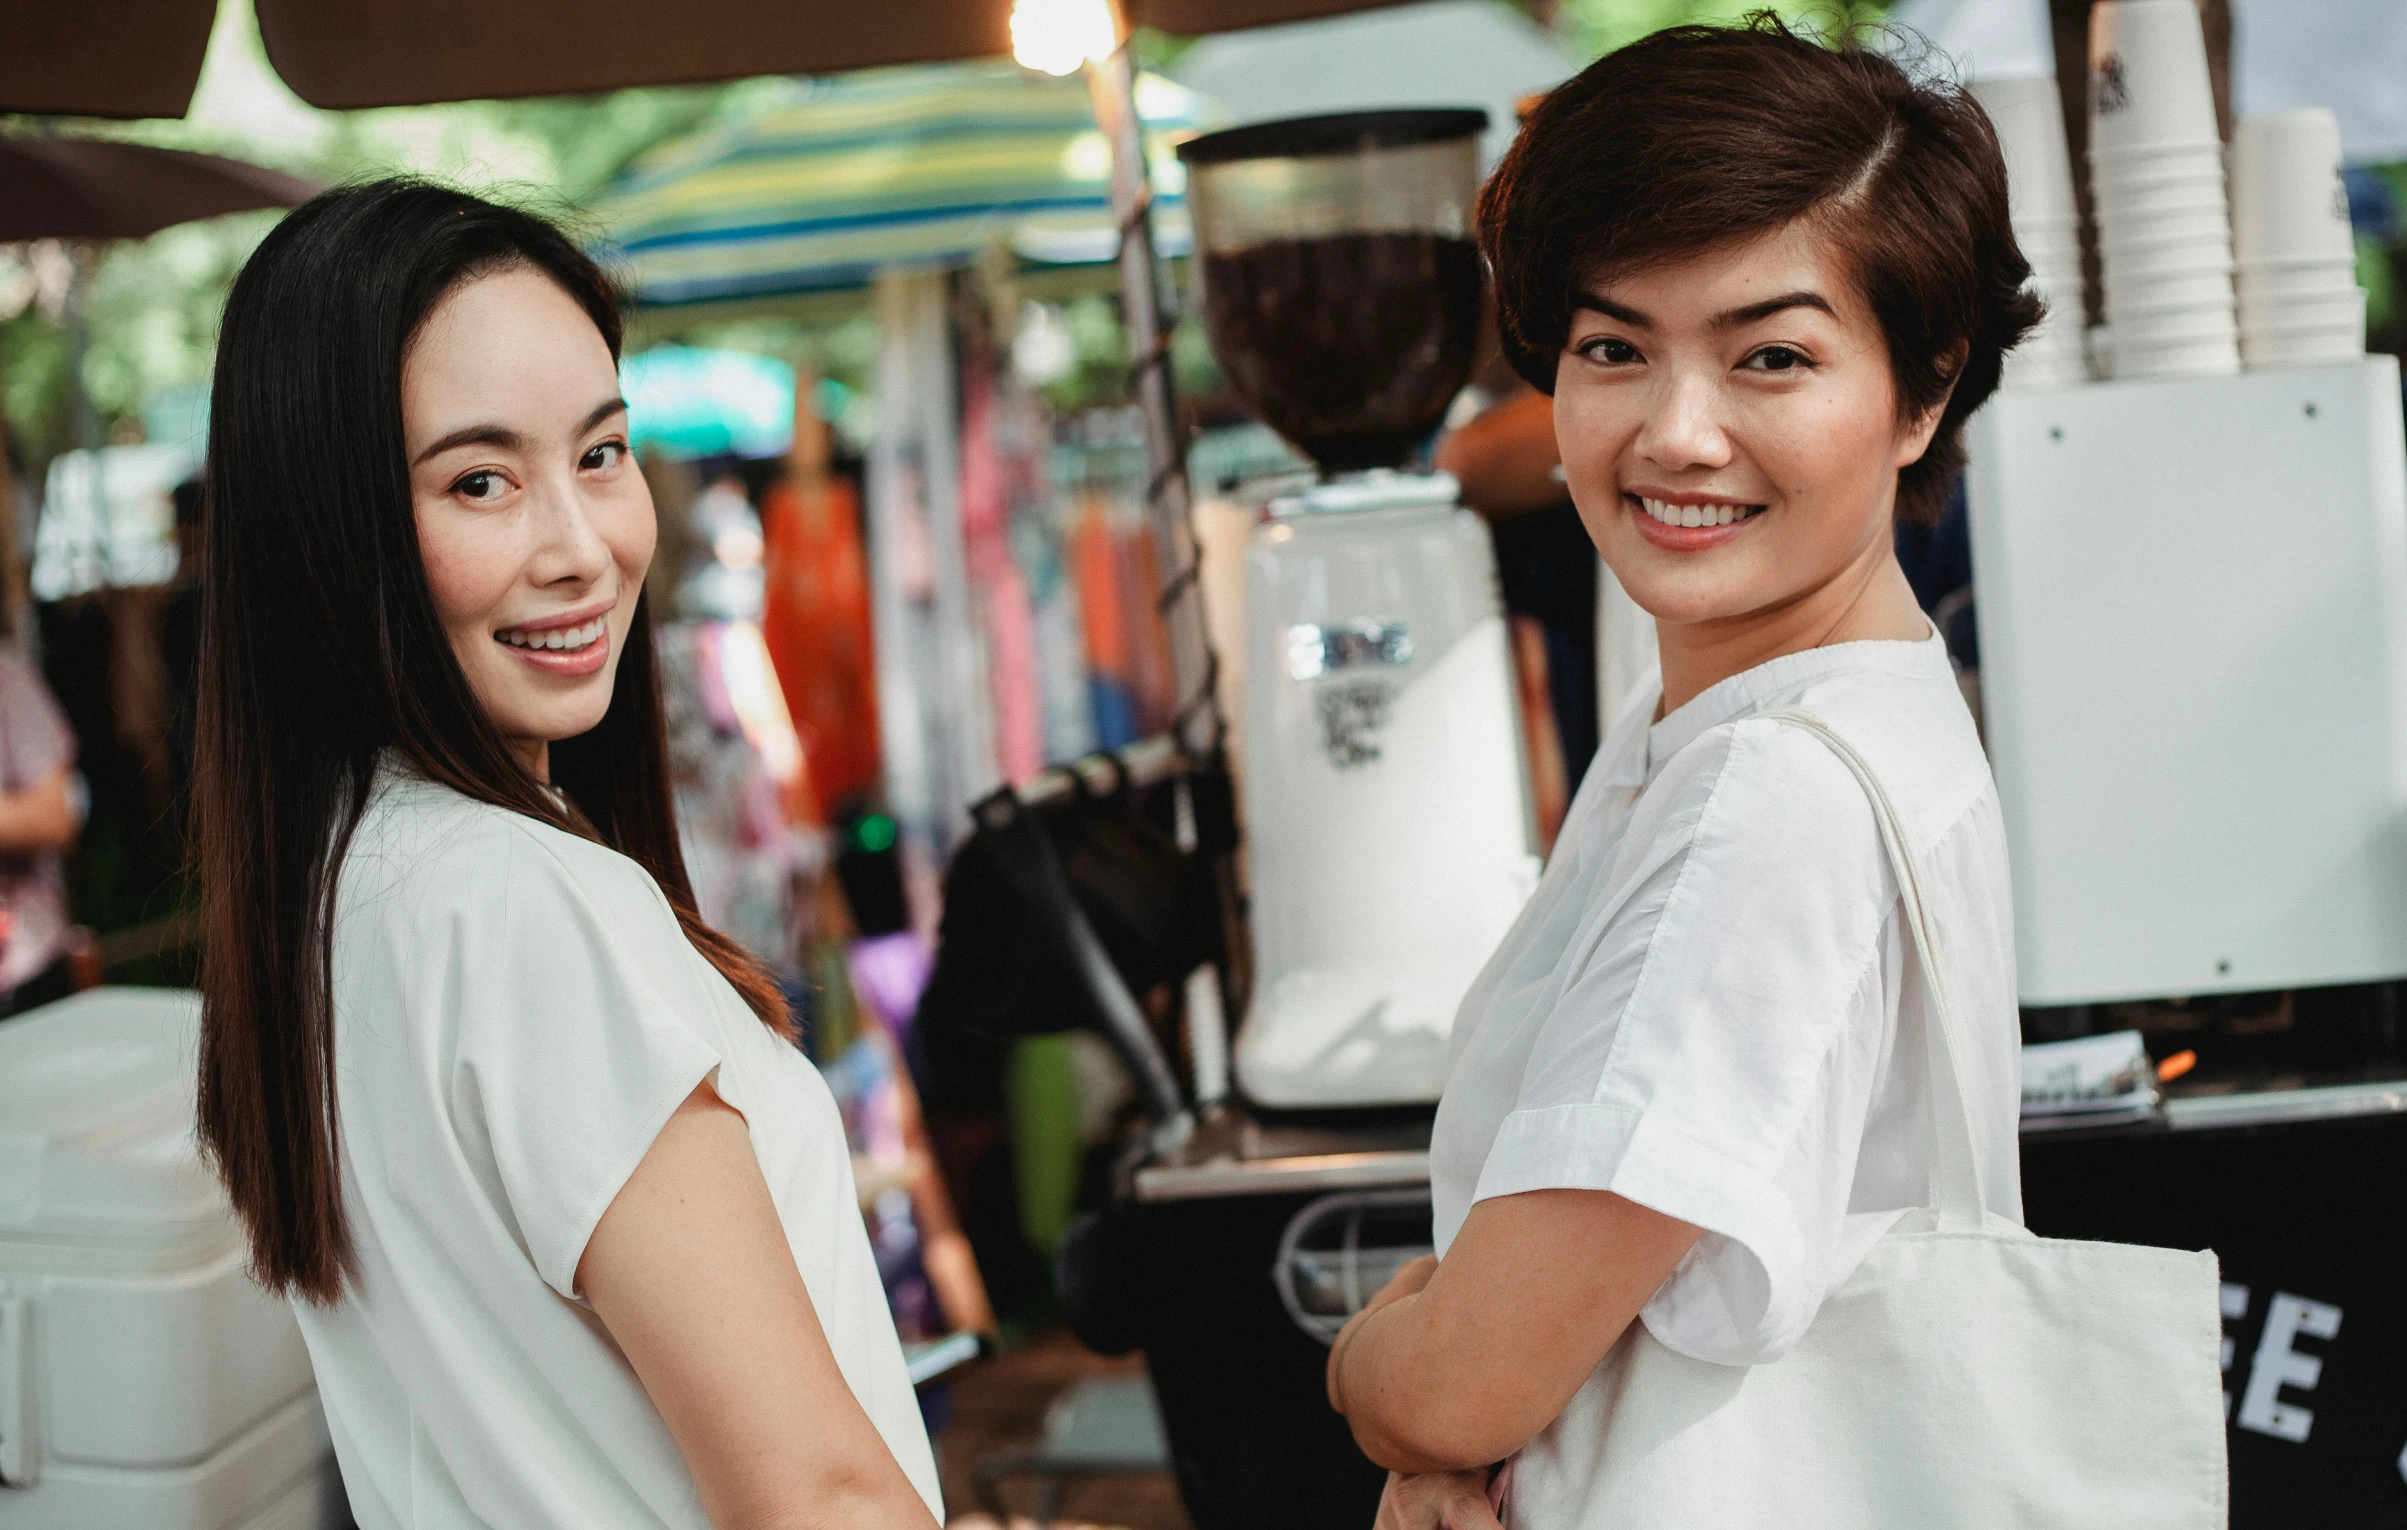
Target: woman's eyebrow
{"points": [[602, 411], [510, 440], [474, 435], [1597, 302], [1738, 318]]}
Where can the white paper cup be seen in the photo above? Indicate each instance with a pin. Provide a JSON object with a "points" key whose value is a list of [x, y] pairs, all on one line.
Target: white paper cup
{"points": [[2148, 83], [2172, 329], [2200, 289], [2264, 351], [2048, 240], [2162, 199], [2282, 284], [2115, 180], [2287, 198], [2169, 244], [2057, 283], [2026, 373], [2165, 162], [2209, 358], [2337, 310], [2169, 241], [2053, 356], [2170, 313], [2030, 130], [2195, 277]]}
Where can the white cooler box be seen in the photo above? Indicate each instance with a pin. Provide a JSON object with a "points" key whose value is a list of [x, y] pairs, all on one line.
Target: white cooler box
{"points": [[145, 1383]]}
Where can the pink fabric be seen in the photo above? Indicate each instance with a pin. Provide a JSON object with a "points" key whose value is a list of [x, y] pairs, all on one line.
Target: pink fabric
{"points": [[34, 741]]}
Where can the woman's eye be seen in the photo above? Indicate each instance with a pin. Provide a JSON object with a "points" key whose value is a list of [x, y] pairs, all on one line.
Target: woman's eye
{"points": [[608, 454], [1610, 351], [476, 486], [1778, 358]]}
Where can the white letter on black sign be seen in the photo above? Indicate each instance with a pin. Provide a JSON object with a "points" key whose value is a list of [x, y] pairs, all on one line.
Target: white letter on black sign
{"points": [[2277, 1365], [2235, 1307]]}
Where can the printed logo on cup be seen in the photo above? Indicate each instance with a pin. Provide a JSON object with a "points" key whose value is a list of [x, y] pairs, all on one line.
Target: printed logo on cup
{"points": [[2114, 92]]}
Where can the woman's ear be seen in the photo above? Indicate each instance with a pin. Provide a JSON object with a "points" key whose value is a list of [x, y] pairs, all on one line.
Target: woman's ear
{"points": [[1914, 435]]}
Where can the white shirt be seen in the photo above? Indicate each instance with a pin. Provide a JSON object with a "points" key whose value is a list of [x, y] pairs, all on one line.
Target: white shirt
{"points": [[516, 1015], [1707, 1007]]}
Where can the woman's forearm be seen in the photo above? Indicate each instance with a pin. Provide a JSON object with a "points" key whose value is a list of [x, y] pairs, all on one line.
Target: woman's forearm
{"points": [[1534, 1291], [1404, 1395]]}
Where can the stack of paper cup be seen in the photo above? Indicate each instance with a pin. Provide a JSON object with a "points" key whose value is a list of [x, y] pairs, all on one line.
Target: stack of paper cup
{"points": [[2047, 225], [2156, 174], [2300, 304]]}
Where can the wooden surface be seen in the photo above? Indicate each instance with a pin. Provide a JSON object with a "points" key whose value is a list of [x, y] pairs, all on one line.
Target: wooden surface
{"points": [[1001, 1404]]}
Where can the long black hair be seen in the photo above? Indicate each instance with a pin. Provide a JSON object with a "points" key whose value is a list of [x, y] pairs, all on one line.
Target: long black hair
{"points": [[321, 649]]}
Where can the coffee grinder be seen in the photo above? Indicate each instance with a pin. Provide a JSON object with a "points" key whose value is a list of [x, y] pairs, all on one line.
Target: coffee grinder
{"points": [[1386, 795]]}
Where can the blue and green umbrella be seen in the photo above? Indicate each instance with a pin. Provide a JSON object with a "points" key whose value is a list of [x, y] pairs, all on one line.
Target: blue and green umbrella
{"points": [[920, 166]]}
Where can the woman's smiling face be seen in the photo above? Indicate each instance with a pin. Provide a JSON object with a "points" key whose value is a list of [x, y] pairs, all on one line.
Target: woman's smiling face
{"points": [[534, 524], [1729, 428]]}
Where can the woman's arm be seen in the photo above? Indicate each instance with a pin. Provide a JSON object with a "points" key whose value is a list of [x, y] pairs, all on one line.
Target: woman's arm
{"points": [[1506, 457], [690, 1272], [1466, 1369], [39, 816]]}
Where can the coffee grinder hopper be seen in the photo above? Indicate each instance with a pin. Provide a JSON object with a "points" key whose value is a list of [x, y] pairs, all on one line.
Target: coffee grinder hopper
{"points": [[1386, 799], [1341, 284]]}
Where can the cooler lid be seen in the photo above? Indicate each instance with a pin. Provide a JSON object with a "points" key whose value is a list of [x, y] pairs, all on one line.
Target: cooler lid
{"points": [[96, 1125]]}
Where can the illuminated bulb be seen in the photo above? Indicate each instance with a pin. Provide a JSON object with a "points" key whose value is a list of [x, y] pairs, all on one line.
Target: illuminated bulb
{"points": [[1057, 36]]}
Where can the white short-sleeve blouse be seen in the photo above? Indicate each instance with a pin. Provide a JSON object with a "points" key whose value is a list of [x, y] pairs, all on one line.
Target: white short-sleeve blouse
{"points": [[1707, 1007], [516, 1015]]}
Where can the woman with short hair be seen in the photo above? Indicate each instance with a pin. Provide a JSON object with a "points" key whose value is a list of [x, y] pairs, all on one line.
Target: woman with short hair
{"points": [[568, 1221], [1765, 281]]}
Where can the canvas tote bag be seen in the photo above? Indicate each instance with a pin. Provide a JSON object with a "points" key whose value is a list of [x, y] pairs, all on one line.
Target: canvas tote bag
{"points": [[1968, 1374]]}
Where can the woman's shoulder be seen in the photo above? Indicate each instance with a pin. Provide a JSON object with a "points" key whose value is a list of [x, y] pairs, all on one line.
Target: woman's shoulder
{"points": [[426, 849], [1916, 733]]}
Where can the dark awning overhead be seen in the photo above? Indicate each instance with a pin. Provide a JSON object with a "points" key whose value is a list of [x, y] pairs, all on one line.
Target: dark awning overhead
{"points": [[102, 58], [94, 188], [140, 58]]}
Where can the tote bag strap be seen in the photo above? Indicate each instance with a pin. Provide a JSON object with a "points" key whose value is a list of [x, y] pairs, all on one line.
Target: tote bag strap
{"points": [[1955, 1184]]}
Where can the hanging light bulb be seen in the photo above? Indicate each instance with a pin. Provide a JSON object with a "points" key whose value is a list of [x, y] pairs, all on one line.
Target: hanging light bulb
{"points": [[1058, 36]]}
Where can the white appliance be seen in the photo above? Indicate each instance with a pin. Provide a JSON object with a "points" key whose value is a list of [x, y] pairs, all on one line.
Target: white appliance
{"points": [[1387, 805], [145, 1383], [2193, 628], [1387, 812]]}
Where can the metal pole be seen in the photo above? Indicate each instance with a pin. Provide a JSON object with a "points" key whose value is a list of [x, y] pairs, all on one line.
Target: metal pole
{"points": [[1111, 84]]}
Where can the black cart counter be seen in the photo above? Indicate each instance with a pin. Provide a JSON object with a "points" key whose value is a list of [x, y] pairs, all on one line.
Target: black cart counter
{"points": [[1249, 1237]]}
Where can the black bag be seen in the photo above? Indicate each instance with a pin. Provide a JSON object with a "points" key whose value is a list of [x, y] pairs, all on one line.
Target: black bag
{"points": [[1056, 917]]}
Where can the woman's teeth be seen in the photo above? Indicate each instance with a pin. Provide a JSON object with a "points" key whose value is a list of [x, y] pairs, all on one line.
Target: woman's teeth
{"points": [[557, 639], [1695, 515]]}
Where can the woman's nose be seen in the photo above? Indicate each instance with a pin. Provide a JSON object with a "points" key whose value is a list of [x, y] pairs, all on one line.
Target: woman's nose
{"points": [[569, 547], [1683, 427]]}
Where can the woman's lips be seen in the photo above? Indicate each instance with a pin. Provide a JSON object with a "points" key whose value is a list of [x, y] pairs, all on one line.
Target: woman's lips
{"points": [[1688, 538], [570, 651]]}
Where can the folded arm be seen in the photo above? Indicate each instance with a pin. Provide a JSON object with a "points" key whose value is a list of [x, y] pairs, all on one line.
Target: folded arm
{"points": [[690, 1271], [1459, 1364]]}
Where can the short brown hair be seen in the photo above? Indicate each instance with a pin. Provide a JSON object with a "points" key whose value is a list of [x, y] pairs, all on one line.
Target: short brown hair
{"points": [[1699, 136]]}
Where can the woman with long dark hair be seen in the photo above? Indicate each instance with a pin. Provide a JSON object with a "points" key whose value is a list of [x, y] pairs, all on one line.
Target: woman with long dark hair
{"points": [[568, 1221]]}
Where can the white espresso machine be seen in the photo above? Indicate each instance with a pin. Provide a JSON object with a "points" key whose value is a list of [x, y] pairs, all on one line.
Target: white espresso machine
{"points": [[1389, 831]]}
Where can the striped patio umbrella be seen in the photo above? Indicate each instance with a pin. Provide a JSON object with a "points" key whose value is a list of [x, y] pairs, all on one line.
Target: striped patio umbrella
{"points": [[914, 167]]}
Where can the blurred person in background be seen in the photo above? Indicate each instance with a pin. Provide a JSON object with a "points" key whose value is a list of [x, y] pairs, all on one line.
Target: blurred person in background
{"points": [[38, 822], [1512, 474]]}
